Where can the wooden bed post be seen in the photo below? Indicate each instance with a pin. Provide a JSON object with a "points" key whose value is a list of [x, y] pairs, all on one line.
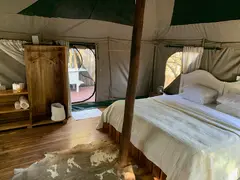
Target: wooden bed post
{"points": [[132, 81]]}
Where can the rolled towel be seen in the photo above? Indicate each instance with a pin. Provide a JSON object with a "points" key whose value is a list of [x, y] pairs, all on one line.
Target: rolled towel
{"points": [[24, 102], [17, 105]]}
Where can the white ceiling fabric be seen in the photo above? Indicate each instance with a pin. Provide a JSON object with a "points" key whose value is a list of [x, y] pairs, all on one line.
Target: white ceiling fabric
{"points": [[227, 31], [157, 19], [157, 25]]}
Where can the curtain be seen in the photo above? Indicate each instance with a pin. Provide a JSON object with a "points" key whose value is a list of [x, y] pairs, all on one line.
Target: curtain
{"points": [[66, 43], [191, 59], [13, 48]]}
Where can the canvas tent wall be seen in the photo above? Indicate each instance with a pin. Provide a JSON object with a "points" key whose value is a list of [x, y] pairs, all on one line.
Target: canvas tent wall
{"points": [[108, 24]]}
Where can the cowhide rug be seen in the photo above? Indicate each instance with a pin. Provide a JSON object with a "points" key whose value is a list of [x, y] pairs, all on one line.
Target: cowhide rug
{"points": [[91, 162]]}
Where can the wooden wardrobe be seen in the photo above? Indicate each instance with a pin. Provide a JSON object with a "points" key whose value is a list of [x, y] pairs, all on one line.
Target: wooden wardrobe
{"points": [[47, 80], [47, 83]]}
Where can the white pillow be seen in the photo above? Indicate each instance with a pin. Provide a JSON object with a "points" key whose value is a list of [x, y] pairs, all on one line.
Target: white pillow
{"points": [[229, 110], [229, 99], [199, 94]]}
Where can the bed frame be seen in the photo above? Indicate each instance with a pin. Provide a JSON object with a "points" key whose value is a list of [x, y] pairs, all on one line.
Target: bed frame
{"points": [[207, 79], [197, 77], [136, 154]]}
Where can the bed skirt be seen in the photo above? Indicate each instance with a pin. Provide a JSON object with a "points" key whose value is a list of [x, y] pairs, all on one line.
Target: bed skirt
{"points": [[136, 154]]}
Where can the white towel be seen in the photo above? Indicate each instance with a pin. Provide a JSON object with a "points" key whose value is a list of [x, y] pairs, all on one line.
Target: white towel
{"points": [[58, 112], [24, 102], [17, 105]]}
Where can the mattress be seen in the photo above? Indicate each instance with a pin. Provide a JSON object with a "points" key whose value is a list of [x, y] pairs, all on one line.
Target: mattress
{"points": [[187, 141]]}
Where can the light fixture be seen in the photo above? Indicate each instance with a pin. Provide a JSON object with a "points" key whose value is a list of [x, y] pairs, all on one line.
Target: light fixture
{"points": [[238, 78], [35, 40]]}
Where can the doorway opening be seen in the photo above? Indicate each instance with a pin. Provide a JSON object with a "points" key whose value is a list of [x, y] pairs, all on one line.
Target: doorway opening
{"points": [[82, 72]]}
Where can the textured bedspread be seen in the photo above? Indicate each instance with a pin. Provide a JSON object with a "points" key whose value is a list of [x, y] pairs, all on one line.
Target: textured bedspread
{"points": [[186, 140]]}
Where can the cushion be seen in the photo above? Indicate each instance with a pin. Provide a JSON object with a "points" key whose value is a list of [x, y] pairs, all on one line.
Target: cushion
{"points": [[229, 110], [229, 99], [199, 94]]}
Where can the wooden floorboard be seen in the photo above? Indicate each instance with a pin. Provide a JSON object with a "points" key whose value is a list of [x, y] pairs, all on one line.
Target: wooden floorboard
{"points": [[20, 148]]}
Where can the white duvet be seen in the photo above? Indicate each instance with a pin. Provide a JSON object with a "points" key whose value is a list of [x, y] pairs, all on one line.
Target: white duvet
{"points": [[186, 140]]}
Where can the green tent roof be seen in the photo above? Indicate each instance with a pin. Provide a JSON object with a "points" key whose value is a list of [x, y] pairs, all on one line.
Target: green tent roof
{"points": [[204, 11], [118, 11], [122, 11]]}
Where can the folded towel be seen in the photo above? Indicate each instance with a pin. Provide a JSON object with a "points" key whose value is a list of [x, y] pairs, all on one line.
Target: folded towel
{"points": [[17, 105], [24, 102]]}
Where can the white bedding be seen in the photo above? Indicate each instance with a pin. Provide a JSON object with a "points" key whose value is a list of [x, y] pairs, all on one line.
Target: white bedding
{"points": [[186, 140]]}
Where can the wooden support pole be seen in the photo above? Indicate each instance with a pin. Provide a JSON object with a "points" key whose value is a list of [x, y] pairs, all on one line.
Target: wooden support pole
{"points": [[132, 81]]}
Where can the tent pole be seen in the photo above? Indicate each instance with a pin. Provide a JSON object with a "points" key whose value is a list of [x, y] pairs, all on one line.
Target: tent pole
{"points": [[132, 81], [182, 46]]}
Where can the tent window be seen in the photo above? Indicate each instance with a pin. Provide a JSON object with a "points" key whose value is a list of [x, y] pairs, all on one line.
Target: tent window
{"points": [[173, 68]]}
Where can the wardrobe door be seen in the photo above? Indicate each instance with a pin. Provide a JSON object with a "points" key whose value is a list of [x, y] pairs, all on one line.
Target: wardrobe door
{"points": [[46, 76]]}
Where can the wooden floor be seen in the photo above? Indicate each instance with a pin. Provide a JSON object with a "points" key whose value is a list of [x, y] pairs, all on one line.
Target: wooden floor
{"points": [[21, 148]]}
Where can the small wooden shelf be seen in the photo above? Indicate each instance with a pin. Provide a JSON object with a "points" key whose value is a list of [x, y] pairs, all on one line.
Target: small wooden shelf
{"points": [[24, 123], [11, 93], [9, 108], [14, 125], [45, 122]]}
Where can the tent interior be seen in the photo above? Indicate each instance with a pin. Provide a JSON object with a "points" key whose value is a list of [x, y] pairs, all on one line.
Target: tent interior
{"points": [[179, 37]]}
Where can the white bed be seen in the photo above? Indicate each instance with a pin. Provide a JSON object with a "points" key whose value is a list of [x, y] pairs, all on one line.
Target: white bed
{"points": [[186, 140]]}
